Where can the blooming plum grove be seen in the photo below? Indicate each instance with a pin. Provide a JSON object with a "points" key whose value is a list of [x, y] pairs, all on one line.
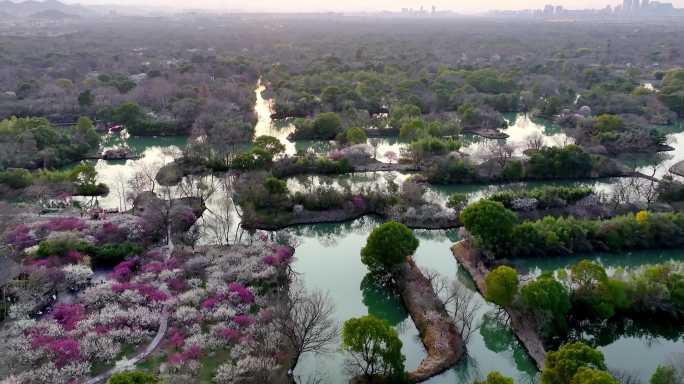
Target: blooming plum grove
{"points": [[218, 301]]}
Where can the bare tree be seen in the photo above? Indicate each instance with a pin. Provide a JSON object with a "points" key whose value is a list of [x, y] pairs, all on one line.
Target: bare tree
{"points": [[535, 141], [223, 214], [500, 152], [463, 307], [634, 190], [144, 177], [459, 301], [306, 322], [121, 191]]}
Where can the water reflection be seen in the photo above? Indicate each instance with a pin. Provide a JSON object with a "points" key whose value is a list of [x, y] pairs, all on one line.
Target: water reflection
{"points": [[612, 262], [658, 164], [153, 153], [329, 259], [521, 130], [381, 301], [636, 346], [499, 338], [266, 126]]}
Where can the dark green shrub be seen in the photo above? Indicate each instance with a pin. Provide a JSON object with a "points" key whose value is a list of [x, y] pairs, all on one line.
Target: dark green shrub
{"points": [[502, 286], [562, 365], [451, 171], [109, 255], [513, 171], [332, 167], [547, 197], [133, 377], [375, 347], [388, 245], [570, 162], [17, 178], [457, 201], [432, 146], [355, 136], [275, 186], [550, 301], [47, 248], [256, 158], [321, 199], [490, 223]]}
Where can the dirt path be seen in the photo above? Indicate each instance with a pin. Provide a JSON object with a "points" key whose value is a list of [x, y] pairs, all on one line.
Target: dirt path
{"points": [[521, 324], [443, 343]]}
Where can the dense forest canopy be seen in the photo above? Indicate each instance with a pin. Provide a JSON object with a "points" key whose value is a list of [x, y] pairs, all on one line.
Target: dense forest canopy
{"points": [[177, 68]]}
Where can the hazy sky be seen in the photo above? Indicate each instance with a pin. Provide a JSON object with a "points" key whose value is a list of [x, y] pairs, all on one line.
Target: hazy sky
{"points": [[469, 6]]}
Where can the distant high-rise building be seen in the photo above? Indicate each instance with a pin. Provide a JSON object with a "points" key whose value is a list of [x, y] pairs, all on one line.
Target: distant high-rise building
{"points": [[635, 5], [626, 5], [644, 3]]}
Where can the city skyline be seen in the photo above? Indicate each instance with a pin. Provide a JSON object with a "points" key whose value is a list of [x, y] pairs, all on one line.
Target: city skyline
{"points": [[359, 5]]}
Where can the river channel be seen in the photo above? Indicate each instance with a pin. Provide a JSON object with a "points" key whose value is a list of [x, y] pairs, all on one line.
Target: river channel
{"points": [[328, 257]]}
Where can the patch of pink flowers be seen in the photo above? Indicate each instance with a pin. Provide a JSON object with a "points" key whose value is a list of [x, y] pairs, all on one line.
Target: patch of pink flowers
{"points": [[209, 303], [123, 271], [146, 290], [177, 339], [187, 216], [109, 232], [68, 315], [64, 224], [73, 256], [245, 294], [39, 340], [21, 237], [177, 284], [193, 352], [39, 263], [158, 266], [65, 351], [271, 260], [154, 266], [283, 255], [230, 334], [336, 155], [243, 320], [103, 329]]}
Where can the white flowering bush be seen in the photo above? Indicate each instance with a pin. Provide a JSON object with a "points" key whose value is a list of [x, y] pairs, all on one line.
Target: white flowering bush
{"points": [[77, 276], [218, 310], [213, 300]]}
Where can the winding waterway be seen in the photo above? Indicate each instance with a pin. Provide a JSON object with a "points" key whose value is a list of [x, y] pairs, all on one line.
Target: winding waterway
{"points": [[327, 258]]}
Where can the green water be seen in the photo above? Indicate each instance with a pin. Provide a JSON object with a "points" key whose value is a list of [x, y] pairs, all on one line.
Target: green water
{"points": [[658, 164], [328, 260], [521, 127], [154, 152], [635, 347]]}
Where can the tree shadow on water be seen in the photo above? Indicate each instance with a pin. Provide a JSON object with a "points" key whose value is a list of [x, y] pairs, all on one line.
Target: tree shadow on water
{"points": [[382, 301]]}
